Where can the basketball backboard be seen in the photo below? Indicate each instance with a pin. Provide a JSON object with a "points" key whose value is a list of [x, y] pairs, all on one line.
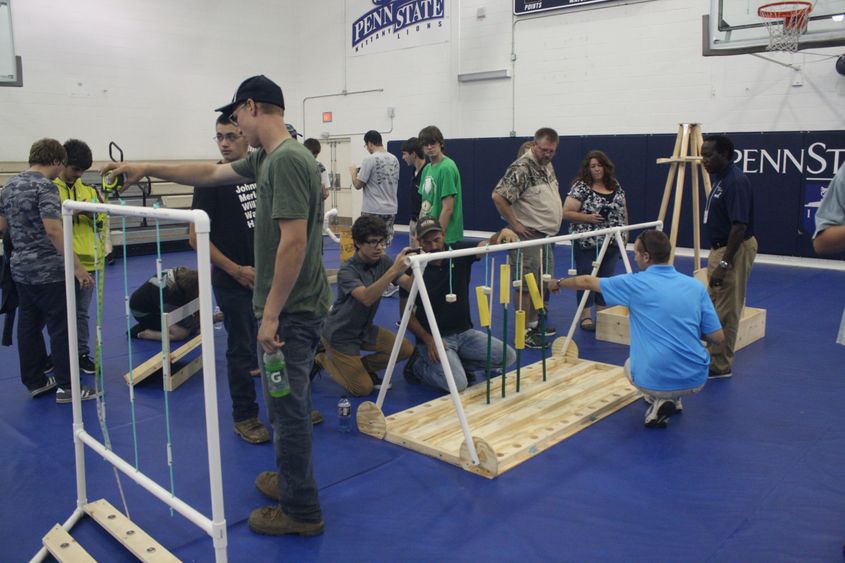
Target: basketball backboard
{"points": [[733, 27]]}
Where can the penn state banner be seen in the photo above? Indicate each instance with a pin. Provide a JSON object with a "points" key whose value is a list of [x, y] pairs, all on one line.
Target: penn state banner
{"points": [[378, 26]]}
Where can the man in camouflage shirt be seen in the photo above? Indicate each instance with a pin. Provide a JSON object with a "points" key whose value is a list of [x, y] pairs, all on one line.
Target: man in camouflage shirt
{"points": [[528, 198], [30, 214]]}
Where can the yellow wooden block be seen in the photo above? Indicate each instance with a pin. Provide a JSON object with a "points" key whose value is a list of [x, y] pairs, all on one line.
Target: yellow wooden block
{"points": [[519, 330], [505, 286], [483, 307], [534, 291], [612, 326]]}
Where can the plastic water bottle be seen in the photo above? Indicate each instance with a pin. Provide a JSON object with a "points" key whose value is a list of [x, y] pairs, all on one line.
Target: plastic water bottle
{"points": [[344, 413], [218, 321], [277, 374]]}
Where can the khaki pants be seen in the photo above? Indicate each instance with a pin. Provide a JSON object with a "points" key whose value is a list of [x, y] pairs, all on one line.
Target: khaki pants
{"points": [[729, 299], [352, 372]]}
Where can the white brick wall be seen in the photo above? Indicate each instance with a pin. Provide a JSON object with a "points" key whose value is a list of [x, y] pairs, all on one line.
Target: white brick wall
{"points": [[148, 74]]}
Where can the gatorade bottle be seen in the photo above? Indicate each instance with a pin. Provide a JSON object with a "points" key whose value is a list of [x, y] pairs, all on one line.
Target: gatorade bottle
{"points": [[277, 374]]}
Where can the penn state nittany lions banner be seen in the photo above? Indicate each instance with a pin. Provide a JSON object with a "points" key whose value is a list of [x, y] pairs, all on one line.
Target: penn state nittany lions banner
{"points": [[377, 26]]}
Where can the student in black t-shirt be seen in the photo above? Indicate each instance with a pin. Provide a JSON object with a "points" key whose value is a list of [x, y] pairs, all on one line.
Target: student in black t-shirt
{"points": [[232, 213], [177, 287], [413, 155], [466, 347]]}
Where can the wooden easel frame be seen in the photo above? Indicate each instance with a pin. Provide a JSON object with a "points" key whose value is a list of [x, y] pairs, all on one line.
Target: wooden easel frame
{"points": [[687, 151]]}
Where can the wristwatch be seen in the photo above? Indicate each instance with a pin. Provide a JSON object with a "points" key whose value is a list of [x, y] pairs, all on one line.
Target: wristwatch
{"points": [[724, 265]]}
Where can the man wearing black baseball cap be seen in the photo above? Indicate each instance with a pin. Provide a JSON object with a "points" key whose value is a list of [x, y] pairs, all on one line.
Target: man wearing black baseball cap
{"points": [[291, 295], [447, 284]]}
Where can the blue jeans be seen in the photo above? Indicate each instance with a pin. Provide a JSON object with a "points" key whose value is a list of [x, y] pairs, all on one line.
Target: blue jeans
{"points": [[584, 258], [40, 305], [242, 335], [83, 303], [290, 417], [466, 350]]}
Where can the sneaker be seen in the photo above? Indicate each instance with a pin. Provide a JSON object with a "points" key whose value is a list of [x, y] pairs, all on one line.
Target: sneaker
{"points": [[408, 372], [272, 521], [86, 365], [252, 431], [550, 330], [316, 417], [534, 340], [86, 394], [48, 365], [390, 291], [48, 386], [377, 381], [679, 406], [716, 374], [267, 484], [659, 412]]}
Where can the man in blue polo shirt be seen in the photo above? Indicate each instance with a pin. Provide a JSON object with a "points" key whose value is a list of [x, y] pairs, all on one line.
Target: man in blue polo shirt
{"points": [[669, 315], [729, 224]]}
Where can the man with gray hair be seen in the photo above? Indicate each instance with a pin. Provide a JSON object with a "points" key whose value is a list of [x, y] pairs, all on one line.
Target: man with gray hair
{"points": [[528, 198]]}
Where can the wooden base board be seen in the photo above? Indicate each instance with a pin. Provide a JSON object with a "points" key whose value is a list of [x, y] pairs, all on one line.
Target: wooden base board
{"points": [[64, 548], [177, 378], [612, 326], [133, 538], [509, 430]]}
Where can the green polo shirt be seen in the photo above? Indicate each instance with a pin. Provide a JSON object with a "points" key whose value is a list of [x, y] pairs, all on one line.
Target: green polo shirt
{"points": [[288, 187]]}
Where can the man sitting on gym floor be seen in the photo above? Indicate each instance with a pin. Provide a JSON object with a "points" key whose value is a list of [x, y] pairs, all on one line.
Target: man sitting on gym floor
{"points": [[466, 348], [670, 314]]}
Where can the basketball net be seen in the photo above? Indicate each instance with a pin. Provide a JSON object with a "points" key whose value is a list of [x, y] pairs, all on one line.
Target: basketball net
{"points": [[785, 22]]}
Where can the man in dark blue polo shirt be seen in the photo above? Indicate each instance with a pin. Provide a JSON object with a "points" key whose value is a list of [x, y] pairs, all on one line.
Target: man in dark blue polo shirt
{"points": [[729, 224]]}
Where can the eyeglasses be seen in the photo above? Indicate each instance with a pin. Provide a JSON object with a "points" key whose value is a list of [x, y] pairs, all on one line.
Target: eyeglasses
{"points": [[230, 137], [376, 242], [233, 117]]}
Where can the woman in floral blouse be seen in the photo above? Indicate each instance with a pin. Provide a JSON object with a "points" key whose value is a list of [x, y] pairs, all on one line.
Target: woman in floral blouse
{"points": [[595, 201]]}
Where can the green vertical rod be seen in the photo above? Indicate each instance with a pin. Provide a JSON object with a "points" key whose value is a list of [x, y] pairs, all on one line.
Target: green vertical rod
{"points": [[504, 347], [543, 339], [489, 359]]}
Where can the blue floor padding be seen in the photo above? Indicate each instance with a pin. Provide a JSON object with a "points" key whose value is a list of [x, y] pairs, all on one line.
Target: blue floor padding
{"points": [[752, 470]]}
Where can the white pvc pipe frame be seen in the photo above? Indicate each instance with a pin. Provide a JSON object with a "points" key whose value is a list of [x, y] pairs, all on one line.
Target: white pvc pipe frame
{"points": [[418, 263], [216, 526]]}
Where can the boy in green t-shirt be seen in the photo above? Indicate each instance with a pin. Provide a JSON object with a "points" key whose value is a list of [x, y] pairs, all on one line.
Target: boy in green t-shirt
{"points": [[440, 186], [292, 294]]}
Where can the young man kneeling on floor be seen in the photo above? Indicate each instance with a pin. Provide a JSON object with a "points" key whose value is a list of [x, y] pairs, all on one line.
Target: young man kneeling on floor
{"points": [[670, 313], [349, 329]]}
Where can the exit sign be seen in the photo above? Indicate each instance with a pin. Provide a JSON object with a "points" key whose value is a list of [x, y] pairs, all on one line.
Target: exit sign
{"points": [[327, 117]]}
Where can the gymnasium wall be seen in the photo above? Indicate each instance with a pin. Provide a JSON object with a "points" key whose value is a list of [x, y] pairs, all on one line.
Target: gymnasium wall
{"points": [[787, 171], [145, 74], [148, 74]]}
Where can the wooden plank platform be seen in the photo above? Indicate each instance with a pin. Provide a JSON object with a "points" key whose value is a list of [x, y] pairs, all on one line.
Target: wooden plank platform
{"points": [[64, 548], [133, 538], [612, 326], [508, 431], [152, 365]]}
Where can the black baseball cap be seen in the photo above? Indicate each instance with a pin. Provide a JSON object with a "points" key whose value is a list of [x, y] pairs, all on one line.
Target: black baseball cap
{"points": [[258, 88], [426, 225]]}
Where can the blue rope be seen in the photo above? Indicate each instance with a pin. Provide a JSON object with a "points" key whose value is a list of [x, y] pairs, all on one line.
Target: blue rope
{"points": [[164, 383], [129, 339], [450, 272]]}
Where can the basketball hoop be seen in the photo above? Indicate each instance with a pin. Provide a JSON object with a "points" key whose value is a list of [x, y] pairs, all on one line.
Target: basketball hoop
{"points": [[786, 21]]}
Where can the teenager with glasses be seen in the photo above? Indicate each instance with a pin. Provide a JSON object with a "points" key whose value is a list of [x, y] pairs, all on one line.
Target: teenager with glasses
{"points": [[349, 329]]}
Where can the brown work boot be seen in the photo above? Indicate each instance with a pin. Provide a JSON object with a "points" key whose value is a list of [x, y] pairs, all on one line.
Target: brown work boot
{"points": [[316, 417], [272, 521], [267, 484], [252, 431]]}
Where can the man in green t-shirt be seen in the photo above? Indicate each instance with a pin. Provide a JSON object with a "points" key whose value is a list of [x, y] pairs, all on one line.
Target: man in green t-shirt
{"points": [[292, 294], [440, 186]]}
